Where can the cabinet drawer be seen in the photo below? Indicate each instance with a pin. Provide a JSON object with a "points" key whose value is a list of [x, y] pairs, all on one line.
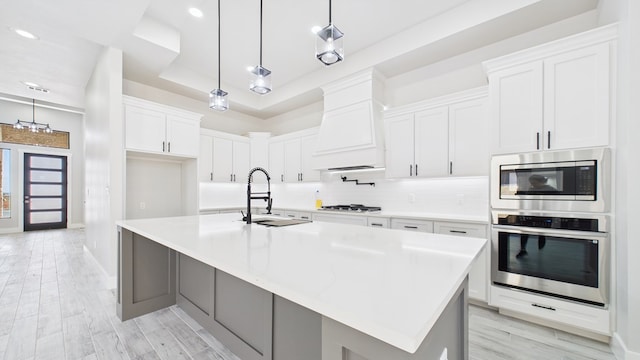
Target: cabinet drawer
{"points": [[378, 222], [341, 219], [585, 317], [303, 215], [460, 229], [412, 225]]}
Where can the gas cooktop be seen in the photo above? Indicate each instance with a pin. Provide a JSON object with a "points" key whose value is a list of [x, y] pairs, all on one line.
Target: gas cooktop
{"points": [[351, 208]]}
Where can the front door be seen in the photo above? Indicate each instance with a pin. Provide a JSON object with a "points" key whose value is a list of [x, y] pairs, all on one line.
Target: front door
{"points": [[45, 192]]}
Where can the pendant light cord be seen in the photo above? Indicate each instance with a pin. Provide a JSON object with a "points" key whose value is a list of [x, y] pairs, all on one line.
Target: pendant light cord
{"points": [[329, 12], [33, 110], [218, 44], [260, 33]]}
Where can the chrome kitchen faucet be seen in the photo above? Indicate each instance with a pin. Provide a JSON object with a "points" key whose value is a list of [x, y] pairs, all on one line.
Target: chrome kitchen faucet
{"points": [[258, 195]]}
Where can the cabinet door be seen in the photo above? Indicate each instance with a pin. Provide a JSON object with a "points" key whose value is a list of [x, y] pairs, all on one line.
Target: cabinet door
{"points": [[144, 129], [576, 98], [222, 159], [432, 142], [469, 138], [399, 154], [307, 148], [205, 159], [516, 108], [292, 164], [182, 136], [241, 161], [276, 161]]}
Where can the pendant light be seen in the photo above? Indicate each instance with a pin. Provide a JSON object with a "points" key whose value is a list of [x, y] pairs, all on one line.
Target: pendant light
{"points": [[33, 126], [261, 83], [217, 97], [329, 43]]}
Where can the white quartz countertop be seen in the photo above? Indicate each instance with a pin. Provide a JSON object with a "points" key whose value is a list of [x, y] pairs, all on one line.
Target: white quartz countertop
{"points": [[390, 284], [418, 215]]}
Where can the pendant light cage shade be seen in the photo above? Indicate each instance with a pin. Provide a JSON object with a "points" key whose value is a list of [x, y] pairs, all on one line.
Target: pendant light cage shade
{"points": [[329, 49], [261, 82], [218, 100]]}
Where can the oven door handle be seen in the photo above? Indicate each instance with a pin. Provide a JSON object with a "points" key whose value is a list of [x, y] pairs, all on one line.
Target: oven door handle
{"points": [[587, 235]]}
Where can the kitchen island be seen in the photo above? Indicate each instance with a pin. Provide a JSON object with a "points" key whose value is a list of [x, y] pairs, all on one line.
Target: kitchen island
{"points": [[309, 291]]}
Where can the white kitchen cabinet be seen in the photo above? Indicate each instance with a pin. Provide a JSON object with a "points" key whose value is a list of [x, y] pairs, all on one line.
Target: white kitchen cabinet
{"points": [[160, 129], [340, 219], [479, 273], [551, 311], [381, 222], [412, 225], [276, 161], [553, 96], [223, 157], [301, 215], [296, 159], [439, 137]]}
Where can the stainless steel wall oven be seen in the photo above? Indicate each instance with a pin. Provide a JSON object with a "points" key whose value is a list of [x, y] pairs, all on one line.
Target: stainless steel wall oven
{"points": [[555, 254]]}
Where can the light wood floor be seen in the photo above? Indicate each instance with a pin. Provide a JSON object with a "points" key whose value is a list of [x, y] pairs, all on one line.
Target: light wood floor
{"points": [[55, 304]]}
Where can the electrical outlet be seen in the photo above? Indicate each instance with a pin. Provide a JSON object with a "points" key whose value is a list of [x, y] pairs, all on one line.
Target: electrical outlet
{"points": [[444, 355], [143, 205]]}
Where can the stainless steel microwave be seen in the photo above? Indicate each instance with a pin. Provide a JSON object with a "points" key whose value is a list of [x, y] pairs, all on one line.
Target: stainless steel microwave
{"points": [[568, 180]]}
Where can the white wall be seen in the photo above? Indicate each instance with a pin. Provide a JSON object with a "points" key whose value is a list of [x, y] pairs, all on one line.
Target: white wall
{"points": [[229, 121], [299, 119], [153, 188], [626, 342], [12, 109], [104, 169]]}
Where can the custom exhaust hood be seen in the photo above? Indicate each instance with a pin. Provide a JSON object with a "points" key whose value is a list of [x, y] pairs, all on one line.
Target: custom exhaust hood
{"points": [[351, 133]]}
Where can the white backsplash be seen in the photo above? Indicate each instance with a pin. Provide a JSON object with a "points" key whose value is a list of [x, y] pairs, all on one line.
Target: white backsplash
{"points": [[468, 196]]}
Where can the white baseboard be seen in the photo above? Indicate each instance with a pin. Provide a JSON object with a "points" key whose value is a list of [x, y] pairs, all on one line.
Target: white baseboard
{"points": [[75, 226], [620, 350], [110, 281], [10, 230]]}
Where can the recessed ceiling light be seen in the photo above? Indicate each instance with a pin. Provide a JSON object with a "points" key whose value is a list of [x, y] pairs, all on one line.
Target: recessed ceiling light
{"points": [[195, 12], [30, 84], [316, 29], [24, 34]]}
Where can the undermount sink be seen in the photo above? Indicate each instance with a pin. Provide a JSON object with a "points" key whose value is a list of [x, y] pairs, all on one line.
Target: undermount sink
{"points": [[279, 223]]}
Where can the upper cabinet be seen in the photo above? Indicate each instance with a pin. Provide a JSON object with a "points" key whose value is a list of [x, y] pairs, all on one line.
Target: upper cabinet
{"points": [[223, 157], [160, 129], [439, 137], [553, 96], [290, 157]]}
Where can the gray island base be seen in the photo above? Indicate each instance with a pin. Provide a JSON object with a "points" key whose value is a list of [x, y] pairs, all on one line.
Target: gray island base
{"points": [[255, 323]]}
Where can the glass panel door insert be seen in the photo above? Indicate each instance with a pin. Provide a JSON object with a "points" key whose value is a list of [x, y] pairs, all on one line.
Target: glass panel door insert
{"points": [[45, 192]]}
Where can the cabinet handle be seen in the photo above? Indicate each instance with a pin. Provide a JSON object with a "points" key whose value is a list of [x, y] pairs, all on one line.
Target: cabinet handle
{"points": [[281, 177], [410, 227], [169, 146], [304, 217], [548, 139], [211, 176], [291, 215], [230, 177], [163, 146], [458, 231], [234, 177], [416, 169], [450, 167], [543, 307], [376, 224], [410, 170], [537, 141], [301, 177]]}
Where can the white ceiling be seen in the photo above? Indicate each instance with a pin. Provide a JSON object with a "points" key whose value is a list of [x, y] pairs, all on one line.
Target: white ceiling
{"points": [[167, 48]]}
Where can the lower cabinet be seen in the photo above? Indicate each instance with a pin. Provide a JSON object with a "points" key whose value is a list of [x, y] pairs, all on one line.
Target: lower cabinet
{"points": [[341, 219], [479, 273], [412, 225], [300, 215], [253, 323]]}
